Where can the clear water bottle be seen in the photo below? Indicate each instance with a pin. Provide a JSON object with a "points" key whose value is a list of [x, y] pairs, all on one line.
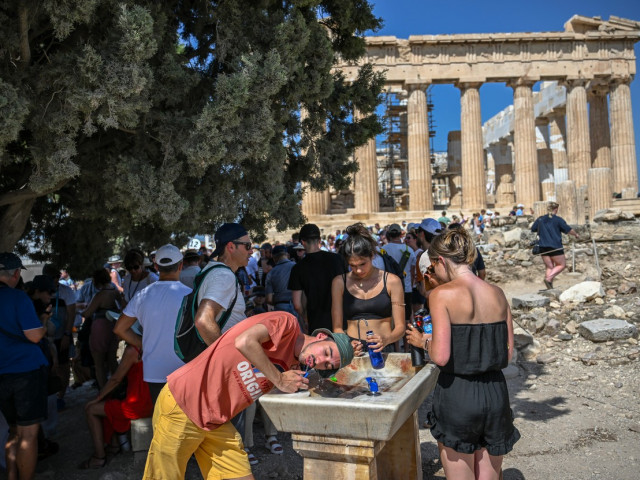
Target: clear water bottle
{"points": [[377, 361]]}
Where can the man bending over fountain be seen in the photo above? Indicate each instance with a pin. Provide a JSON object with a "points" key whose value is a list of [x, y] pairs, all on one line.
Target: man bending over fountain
{"points": [[194, 410]]}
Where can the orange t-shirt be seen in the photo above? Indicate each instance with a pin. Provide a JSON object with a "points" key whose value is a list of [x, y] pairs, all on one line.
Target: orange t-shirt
{"points": [[220, 383]]}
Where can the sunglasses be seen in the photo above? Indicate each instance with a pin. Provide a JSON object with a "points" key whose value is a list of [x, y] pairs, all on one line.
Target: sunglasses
{"points": [[134, 267], [247, 245]]}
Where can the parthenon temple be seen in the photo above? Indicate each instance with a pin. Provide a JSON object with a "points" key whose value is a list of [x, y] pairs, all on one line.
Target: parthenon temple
{"points": [[570, 140]]}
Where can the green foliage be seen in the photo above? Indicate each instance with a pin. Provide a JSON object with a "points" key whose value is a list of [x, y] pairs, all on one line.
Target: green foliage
{"points": [[134, 121]]}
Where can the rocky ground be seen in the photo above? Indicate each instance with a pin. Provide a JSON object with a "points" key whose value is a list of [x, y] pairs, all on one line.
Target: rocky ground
{"points": [[576, 402]]}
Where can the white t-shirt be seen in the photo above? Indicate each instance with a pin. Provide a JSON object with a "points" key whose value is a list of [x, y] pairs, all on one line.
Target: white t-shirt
{"points": [[252, 271], [221, 286], [156, 308], [188, 275], [395, 250], [131, 287]]}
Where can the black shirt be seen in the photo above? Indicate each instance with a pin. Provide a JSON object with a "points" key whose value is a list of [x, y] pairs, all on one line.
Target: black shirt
{"points": [[313, 275]]}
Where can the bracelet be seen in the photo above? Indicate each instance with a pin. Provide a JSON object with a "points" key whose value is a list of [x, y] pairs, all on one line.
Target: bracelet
{"points": [[426, 343]]}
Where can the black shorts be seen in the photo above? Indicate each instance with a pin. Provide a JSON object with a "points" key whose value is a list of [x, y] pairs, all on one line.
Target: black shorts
{"points": [[551, 251], [63, 355], [23, 397]]}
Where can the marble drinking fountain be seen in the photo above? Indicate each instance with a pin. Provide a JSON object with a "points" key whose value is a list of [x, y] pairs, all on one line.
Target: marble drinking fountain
{"points": [[344, 432]]}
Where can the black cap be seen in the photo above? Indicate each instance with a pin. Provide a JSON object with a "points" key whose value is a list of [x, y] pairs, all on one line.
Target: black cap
{"points": [[44, 283], [10, 261], [228, 232], [279, 249], [309, 232]]}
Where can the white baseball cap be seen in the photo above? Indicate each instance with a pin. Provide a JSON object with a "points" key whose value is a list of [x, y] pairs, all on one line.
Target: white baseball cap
{"points": [[168, 255]]}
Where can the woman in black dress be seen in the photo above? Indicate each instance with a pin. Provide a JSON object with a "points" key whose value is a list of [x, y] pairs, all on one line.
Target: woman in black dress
{"points": [[549, 229], [472, 342]]}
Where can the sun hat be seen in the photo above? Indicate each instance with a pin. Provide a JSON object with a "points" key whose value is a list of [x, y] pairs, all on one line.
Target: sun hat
{"points": [[114, 259], [168, 255], [345, 349], [228, 232], [10, 261]]}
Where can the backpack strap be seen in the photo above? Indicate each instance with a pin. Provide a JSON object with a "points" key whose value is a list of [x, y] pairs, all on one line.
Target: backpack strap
{"points": [[197, 282]]}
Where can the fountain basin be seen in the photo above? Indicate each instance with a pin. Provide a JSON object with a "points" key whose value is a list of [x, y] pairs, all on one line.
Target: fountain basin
{"points": [[348, 411]]}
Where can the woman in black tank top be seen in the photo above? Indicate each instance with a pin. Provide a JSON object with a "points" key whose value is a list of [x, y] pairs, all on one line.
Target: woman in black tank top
{"points": [[366, 298]]}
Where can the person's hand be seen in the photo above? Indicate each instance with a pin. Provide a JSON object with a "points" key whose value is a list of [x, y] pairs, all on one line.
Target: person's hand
{"points": [[414, 336], [358, 349], [376, 342], [291, 381]]}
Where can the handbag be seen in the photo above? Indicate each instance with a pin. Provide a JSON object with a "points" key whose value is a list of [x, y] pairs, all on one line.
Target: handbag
{"points": [[535, 250]]}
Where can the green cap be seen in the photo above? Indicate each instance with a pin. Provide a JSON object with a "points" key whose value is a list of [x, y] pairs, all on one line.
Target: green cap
{"points": [[343, 342]]}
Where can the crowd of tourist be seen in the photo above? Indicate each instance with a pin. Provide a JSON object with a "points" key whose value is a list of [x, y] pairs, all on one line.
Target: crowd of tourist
{"points": [[265, 314]]}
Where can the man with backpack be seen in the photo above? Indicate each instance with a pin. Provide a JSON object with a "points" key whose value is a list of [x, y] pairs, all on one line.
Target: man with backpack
{"points": [[406, 258], [155, 307]]}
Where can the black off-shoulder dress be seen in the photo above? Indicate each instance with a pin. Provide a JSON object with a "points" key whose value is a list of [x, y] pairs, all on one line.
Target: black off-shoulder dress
{"points": [[471, 402]]}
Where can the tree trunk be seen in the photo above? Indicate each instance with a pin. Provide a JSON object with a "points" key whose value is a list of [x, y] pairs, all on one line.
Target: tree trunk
{"points": [[13, 220]]}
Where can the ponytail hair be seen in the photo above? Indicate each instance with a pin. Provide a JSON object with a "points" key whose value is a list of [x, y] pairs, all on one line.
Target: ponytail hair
{"points": [[551, 206], [456, 245], [359, 242]]}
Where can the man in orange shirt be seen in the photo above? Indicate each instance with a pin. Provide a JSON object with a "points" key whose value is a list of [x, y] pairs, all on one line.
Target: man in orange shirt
{"points": [[194, 410]]}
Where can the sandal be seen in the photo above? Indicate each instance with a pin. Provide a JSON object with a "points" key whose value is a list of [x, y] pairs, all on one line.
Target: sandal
{"points": [[91, 465], [273, 445], [252, 458]]}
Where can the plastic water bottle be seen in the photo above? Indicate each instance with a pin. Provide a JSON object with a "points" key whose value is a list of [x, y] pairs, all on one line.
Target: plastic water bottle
{"points": [[427, 325], [377, 361]]}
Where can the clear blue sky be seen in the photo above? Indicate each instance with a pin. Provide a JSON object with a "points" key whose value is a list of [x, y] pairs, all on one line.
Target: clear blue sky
{"points": [[422, 17]]}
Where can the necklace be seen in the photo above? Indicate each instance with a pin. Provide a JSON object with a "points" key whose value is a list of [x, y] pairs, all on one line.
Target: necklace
{"points": [[363, 280]]}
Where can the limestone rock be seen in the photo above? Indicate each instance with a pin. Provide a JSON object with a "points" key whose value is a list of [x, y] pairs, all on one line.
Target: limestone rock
{"points": [[552, 326], [582, 292], [571, 327], [589, 358], [530, 352], [512, 237], [605, 329], [529, 300], [627, 287], [521, 338], [565, 337], [607, 215], [521, 255], [614, 311], [546, 358], [510, 371]]}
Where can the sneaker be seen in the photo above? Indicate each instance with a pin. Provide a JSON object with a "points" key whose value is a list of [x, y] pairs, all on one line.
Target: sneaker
{"points": [[548, 284], [125, 445]]}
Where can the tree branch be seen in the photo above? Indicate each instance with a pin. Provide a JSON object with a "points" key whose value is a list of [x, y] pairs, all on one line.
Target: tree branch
{"points": [[23, 195], [25, 50]]}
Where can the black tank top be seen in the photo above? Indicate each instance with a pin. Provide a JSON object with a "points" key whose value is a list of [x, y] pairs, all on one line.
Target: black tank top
{"points": [[378, 307]]}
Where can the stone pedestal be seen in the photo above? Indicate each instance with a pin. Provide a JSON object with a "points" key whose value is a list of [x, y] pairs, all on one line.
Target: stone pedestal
{"points": [[527, 182], [599, 128], [566, 198], [578, 143], [623, 145], [333, 458], [581, 205], [473, 177], [420, 195], [599, 183]]}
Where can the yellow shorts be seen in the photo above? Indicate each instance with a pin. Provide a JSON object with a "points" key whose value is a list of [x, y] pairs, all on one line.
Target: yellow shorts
{"points": [[220, 452]]}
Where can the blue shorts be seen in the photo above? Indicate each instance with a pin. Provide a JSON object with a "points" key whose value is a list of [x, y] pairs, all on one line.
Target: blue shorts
{"points": [[23, 397]]}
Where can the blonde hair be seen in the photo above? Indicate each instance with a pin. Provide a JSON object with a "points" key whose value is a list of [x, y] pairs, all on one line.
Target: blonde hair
{"points": [[455, 245], [551, 206]]}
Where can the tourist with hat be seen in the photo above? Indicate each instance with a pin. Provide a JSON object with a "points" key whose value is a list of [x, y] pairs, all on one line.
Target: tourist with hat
{"points": [[23, 382], [428, 229], [114, 262], [156, 308], [193, 412], [406, 258]]}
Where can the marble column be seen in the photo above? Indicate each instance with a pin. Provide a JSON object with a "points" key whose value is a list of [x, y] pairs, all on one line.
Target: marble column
{"points": [[578, 143], [557, 143], [366, 198], [545, 157], [473, 179], [527, 184], [314, 202], [566, 197], [420, 190], [599, 128], [623, 144]]}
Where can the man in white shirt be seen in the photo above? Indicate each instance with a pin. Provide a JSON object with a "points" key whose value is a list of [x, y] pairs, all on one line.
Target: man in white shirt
{"points": [[190, 267], [156, 308], [397, 250], [220, 289]]}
